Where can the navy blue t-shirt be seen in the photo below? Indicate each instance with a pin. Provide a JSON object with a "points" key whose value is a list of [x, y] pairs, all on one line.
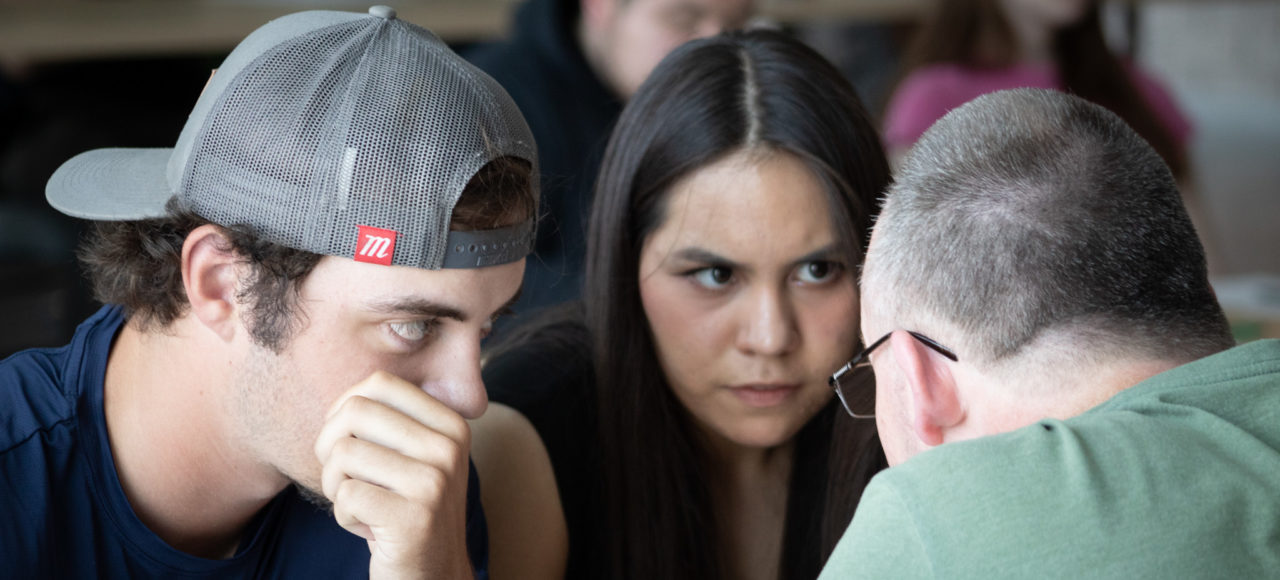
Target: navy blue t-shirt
{"points": [[63, 513]]}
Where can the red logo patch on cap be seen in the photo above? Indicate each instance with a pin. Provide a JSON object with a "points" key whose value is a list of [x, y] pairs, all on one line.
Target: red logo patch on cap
{"points": [[375, 245]]}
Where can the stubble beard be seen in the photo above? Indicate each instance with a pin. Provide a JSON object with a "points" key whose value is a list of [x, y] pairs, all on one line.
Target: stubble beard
{"points": [[270, 420], [314, 497]]}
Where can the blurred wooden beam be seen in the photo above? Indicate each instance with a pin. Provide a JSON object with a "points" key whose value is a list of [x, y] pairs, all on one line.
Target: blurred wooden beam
{"points": [[34, 31]]}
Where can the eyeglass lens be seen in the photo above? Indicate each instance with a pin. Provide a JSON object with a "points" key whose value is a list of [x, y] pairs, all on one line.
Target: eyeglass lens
{"points": [[857, 390]]}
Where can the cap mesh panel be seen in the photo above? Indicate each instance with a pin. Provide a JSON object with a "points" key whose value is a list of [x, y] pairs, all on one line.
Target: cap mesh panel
{"points": [[371, 122]]}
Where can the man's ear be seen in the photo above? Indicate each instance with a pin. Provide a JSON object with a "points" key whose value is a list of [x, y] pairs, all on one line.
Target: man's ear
{"points": [[936, 401], [211, 274]]}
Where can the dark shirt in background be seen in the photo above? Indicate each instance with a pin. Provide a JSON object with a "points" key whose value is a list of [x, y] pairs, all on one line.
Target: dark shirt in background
{"points": [[571, 114]]}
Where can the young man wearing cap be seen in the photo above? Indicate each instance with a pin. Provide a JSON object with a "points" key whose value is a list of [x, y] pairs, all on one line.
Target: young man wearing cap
{"points": [[296, 295], [1056, 386]]}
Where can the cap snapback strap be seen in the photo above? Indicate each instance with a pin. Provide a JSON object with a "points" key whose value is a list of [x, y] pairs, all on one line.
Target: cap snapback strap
{"points": [[481, 248]]}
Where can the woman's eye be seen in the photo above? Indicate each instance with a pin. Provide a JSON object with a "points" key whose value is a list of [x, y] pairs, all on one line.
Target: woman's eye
{"points": [[714, 277], [413, 330], [817, 272]]}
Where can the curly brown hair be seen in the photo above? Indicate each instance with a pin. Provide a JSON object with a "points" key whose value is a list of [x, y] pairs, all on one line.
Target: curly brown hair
{"points": [[138, 264]]}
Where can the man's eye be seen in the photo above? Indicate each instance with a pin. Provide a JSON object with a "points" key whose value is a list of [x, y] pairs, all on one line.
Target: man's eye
{"points": [[714, 278], [413, 330], [817, 272]]}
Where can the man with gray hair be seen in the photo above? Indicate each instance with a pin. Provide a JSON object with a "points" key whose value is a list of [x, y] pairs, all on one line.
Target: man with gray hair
{"points": [[1056, 385]]}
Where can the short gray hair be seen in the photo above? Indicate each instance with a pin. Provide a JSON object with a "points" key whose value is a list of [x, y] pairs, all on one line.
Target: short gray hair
{"points": [[1031, 210]]}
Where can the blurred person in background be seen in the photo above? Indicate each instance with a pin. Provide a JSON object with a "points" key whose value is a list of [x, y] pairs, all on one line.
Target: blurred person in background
{"points": [[966, 48], [570, 65]]}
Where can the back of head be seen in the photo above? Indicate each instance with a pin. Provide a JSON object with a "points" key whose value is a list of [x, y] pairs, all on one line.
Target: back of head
{"points": [[1027, 214]]}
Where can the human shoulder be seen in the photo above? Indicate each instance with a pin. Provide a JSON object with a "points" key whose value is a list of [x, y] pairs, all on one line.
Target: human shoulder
{"points": [[45, 387], [33, 395], [1127, 490], [528, 536], [39, 388], [884, 540], [963, 510], [37, 425], [50, 500]]}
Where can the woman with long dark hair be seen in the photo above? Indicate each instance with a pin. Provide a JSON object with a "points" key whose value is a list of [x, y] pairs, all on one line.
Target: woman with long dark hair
{"points": [[684, 403], [966, 48]]}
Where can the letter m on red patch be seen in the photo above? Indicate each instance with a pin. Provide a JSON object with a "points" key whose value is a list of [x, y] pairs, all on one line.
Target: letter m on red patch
{"points": [[375, 245]]}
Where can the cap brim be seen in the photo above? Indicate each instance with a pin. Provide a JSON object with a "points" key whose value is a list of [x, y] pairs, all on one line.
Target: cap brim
{"points": [[112, 184]]}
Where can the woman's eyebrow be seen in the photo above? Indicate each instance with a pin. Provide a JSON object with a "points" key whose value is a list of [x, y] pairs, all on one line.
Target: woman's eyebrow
{"points": [[694, 254], [702, 255], [828, 252]]}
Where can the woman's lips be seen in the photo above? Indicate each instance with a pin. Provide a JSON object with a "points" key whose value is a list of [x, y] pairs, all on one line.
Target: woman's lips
{"points": [[764, 395]]}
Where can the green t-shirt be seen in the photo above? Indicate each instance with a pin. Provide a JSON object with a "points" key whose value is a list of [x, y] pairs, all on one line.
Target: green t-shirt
{"points": [[1176, 477]]}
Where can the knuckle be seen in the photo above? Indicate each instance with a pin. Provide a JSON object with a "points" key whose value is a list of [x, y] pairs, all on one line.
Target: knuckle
{"points": [[329, 485], [456, 428], [464, 433], [453, 454], [432, 483], [347, 493], [320, 447], [344, 446], [355, 403]]}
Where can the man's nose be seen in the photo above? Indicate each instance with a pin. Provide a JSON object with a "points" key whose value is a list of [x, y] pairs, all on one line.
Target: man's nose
{"points": [[456, 382]]}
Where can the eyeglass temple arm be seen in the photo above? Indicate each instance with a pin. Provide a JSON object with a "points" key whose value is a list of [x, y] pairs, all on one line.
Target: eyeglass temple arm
{"points": [[834, 379], [929, 342]]}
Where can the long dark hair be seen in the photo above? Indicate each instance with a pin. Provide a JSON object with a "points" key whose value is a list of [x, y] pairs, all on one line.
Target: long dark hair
{"points": [[976, 33], [708, 99]]}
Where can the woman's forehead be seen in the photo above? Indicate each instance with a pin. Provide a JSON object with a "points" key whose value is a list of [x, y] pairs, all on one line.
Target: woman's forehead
{"points": [[746, 207]]}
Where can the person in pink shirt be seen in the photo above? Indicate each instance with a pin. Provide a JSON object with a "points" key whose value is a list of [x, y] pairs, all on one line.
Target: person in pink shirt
{"points": [[967, 48]]}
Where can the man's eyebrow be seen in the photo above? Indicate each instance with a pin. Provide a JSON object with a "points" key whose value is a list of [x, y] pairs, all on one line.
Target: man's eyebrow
{"points": [[508, 308], [419, 307]]}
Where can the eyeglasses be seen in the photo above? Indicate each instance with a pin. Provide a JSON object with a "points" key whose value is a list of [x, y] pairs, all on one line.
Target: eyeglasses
{"points": [[855, 383]]}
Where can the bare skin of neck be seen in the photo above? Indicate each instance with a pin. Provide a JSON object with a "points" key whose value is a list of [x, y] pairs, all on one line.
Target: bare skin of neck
{"points": [[183, 477], [1060, 396], [750, 493]]}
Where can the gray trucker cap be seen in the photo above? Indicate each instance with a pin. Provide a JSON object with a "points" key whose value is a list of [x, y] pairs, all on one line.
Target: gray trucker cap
{"points": [[337, 133]]}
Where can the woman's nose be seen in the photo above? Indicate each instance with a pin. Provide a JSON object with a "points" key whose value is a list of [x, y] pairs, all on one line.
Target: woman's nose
{"points": [[769, 325]]}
